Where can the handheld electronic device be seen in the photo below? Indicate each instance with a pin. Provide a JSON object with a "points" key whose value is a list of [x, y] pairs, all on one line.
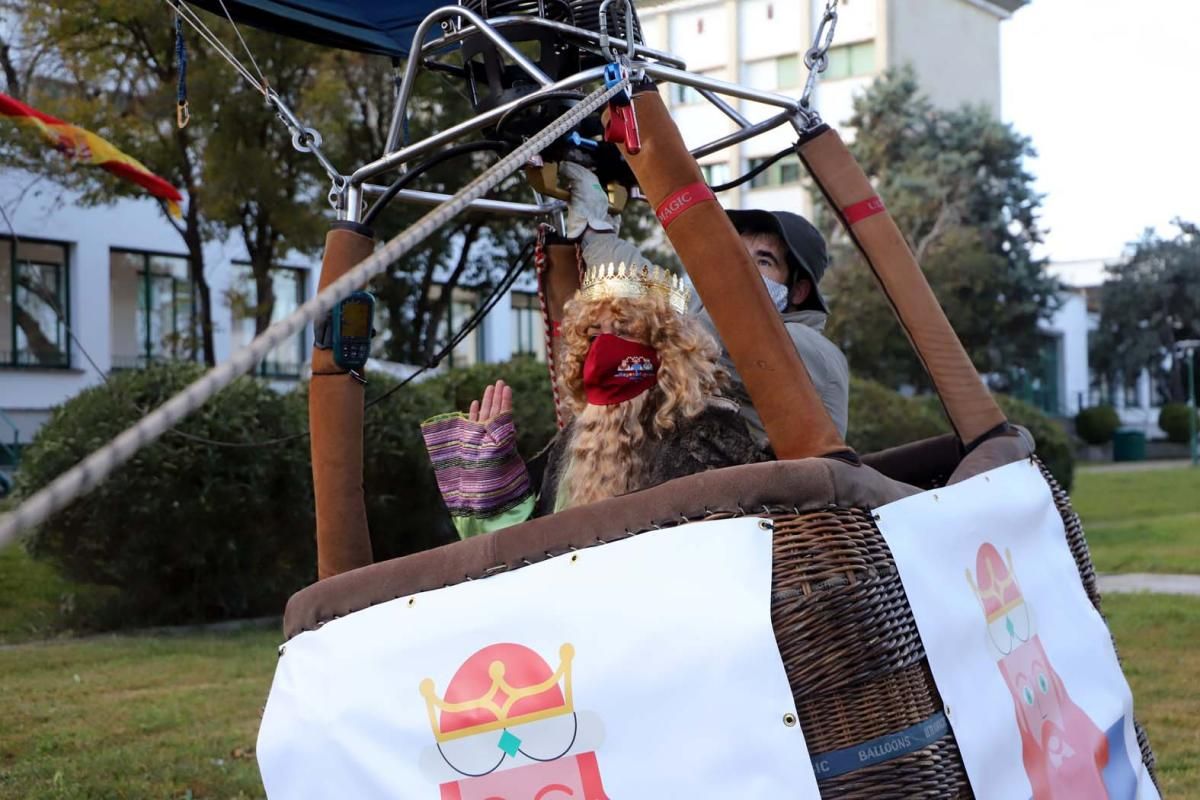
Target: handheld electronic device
{"points": [[348, 331]]}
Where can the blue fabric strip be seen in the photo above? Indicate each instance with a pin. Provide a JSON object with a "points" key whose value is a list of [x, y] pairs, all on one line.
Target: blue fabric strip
{"points": [[885, 748]]}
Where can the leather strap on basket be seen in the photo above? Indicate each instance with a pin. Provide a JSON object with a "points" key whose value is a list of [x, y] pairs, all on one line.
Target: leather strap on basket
{"points": [[796, 421], [558, 274], [335, 420], [970, 406]]}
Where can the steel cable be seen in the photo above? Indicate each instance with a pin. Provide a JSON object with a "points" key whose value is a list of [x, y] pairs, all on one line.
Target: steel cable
{"points": [[94, 469]]}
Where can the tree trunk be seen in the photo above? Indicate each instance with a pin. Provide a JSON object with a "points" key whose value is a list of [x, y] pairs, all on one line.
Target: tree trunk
{"points": [[195, 246]]}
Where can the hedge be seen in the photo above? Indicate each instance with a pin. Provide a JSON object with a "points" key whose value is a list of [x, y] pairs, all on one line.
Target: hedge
{"points": [[1096, 425], [183, 531], [1173, 419]]}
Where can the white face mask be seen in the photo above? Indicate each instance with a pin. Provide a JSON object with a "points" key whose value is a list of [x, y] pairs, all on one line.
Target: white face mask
{"points": [[778, 293]]}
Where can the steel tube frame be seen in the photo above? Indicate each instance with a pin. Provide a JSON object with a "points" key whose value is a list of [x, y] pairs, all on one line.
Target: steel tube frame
{"points": [[663, 68], [503, 207]]}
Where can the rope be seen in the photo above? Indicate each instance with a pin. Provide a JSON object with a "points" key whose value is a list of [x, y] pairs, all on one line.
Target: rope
{"points": [[94, 469], [182, 115], [245, 46], [191, 17]]}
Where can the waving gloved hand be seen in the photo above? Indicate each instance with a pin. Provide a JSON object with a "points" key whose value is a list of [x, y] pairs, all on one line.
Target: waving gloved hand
{"points": [[475, 460], [588, 206]]}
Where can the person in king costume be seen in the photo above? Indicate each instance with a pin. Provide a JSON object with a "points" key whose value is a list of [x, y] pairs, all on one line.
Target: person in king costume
{"points": [[507, 729], [1064, 752], [642, 380]]}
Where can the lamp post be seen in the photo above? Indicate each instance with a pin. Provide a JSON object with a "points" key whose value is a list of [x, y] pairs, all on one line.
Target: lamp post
{"points": [[1187, 349]]}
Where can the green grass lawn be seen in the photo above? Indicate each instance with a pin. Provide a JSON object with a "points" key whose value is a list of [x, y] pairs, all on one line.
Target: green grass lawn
{"points": [[176, 717], [1141, 521]]}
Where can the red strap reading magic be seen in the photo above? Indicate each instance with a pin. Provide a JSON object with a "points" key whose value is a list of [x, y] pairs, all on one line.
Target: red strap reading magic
{"points": [[859, 211], [681, 200]]}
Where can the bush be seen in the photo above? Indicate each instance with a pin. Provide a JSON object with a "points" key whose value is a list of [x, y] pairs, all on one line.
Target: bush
{"points": [[186, 531], [1096, 425], [1173, 419], [881, 418], [1054, 446]]}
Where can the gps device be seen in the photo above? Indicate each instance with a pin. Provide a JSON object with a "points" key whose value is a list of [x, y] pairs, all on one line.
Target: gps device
{"points": [[348, 331]]}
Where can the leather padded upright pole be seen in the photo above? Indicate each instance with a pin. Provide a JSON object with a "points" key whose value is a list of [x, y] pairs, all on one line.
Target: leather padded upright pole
{"points": [[796, 421], [969, 405], [335, 421], [559, 282]]}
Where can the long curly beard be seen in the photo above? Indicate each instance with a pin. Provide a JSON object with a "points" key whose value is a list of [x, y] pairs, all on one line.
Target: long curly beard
{"points": [[604, 452]]}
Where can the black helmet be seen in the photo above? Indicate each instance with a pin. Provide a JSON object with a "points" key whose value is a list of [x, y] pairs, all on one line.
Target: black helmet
{"points": [[806, 246]]}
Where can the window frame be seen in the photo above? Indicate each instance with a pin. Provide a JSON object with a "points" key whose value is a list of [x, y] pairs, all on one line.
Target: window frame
{"points": [[145, 357], [528, 325], [64, 316], [266, 367]]}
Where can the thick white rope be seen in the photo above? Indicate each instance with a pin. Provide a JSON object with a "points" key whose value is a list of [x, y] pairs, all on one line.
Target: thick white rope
{"points": [[93, 470]]}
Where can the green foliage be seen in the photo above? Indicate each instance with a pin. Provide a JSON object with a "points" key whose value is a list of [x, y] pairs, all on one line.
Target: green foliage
{"points": [[881, 418], [186, 531], [955, 183], [1096, 425], [1150, 301], [1173, 419]]}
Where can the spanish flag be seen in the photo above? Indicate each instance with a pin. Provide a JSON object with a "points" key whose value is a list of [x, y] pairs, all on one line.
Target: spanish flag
{"points": [[87, 147]]}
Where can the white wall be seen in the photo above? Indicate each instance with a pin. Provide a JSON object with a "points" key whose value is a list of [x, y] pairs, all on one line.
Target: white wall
{"points": [[954, 45], [1070, 324], [46, 211]]}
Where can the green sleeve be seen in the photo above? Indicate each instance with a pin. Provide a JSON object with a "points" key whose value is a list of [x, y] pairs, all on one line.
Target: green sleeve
{"points": [[473, 526]]}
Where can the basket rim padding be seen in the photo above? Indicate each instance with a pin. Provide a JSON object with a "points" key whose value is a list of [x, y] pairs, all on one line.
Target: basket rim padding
{"points": [[804, 485]]}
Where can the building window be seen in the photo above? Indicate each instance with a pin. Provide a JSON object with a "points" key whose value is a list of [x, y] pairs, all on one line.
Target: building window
{"points": [[781, 173], [850, 61], [715, 174], [152, 306], [288, 288], [682, 95], [528, 330], [1129, 391], [464, 303], [773, 73], [34, 304]]}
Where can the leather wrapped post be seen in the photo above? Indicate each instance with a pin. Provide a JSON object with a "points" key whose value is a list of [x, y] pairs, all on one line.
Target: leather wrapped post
{"points": [[796, 421], [558, 281], [969, 405], [335, 420]]}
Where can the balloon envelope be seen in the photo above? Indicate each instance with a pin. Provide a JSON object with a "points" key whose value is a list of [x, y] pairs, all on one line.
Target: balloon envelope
{"points": [[369, 26]]}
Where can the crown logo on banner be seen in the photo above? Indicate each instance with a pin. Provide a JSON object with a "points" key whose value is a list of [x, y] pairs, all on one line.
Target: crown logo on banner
{"points": [[996, 584], [495, 708], [621, 280]]}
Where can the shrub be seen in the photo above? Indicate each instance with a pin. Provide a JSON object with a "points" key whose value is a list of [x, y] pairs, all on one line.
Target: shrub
{"points": [[184, 530], [881, 418], [1173, 419], [1096, 425]]}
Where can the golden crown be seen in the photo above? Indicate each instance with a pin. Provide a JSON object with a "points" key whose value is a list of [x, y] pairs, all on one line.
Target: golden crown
{"points": [[994, 593], [621, 280], [499, 699]]}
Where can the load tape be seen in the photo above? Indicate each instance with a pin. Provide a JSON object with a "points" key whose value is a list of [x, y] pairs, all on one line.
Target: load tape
{"points": [[681, 200], [857, 212], [885, 748]]}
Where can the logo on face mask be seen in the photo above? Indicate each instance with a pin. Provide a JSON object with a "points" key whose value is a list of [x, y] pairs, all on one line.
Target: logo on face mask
{"points": [[634, 368]]}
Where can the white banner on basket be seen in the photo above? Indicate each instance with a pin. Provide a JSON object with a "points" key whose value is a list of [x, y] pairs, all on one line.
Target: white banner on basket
{"points": [[644, 668], [1024, 663]]}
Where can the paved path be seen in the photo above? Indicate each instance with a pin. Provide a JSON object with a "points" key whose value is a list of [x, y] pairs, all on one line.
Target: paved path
{"points": [[1134, 582], [1135, 466]]}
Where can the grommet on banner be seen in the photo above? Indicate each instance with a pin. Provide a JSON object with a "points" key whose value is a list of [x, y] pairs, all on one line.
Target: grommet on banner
{"points": [[789, 719], [574, 558], [412, 601], [766, 524]]}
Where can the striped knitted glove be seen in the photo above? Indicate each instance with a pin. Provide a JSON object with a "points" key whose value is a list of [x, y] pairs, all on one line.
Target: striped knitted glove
{"points": [[478, 469]]}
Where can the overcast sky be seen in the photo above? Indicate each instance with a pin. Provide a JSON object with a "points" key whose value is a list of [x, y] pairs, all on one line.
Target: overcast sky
{"points": [[1109, 90]]}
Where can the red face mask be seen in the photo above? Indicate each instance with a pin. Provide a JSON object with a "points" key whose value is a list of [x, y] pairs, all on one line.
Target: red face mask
{"points": [[617, 370]]}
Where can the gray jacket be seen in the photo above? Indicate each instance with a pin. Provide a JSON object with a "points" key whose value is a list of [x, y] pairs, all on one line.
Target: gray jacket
{"points": [[824, 361]]}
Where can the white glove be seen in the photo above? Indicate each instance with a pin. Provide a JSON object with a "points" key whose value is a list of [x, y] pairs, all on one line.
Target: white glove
{"points": [[588, 206]]}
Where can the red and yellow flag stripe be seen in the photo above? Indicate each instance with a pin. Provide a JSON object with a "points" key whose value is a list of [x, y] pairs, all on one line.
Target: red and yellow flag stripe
{"points": [[86, 147]]}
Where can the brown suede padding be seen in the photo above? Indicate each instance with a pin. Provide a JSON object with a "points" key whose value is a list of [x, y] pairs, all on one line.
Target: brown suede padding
{"points": [[927, 463], [969, 404], [997, 451], [796, 422], [335, 420], [805, 484]]}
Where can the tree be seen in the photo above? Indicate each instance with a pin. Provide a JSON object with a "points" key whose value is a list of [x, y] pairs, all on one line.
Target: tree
{"points": [[112, 68], [1150, 301], [955, 182]]}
